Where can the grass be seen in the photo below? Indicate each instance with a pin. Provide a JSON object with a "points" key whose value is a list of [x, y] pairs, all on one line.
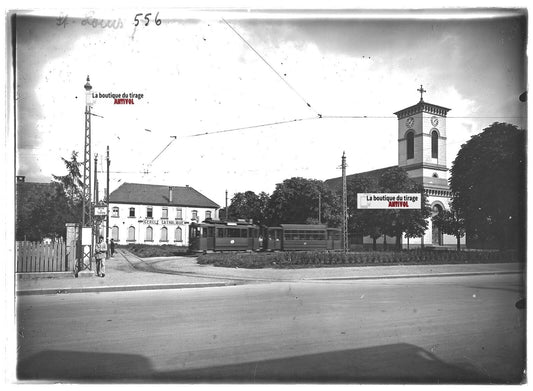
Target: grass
{"points": [[148, 251], [338, 259]]}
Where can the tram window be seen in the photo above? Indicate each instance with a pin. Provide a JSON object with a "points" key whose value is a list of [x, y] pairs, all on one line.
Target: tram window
{"points": [[204, 232], [220, 232], [211, 232]]}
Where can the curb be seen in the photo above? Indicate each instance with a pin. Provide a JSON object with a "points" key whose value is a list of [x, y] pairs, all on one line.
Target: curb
{"points": [[119, 288], [392, 276]]}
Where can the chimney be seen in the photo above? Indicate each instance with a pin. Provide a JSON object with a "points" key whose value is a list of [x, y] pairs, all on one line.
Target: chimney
{"points": [[170, 194]]}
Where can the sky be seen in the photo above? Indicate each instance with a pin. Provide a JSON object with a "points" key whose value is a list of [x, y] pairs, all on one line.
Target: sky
{"points": [[239, 94]]}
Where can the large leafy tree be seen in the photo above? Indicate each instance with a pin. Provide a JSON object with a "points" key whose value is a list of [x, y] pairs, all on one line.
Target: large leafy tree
{"points": [[249, 205], [296, 201], [488, 185]]}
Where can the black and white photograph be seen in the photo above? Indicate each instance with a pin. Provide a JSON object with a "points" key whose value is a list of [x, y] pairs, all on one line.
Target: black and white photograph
{"points": [[275, 196]]}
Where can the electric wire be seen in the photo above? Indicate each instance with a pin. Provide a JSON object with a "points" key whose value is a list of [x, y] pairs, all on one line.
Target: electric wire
{"points": [[271, 67]]}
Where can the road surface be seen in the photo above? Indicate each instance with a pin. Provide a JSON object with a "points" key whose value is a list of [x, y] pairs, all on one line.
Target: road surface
{"points": [[418, 330]]}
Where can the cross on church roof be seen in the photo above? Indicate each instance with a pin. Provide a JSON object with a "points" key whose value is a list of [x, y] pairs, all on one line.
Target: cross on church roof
{"points": [[421, 90]]}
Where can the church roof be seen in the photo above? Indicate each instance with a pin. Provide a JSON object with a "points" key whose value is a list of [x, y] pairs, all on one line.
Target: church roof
{"points": [[140, 193], [422, 106], [373, 176]]}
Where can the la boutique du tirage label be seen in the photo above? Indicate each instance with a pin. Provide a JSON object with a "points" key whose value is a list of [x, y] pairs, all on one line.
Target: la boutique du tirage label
{"points": [[122, 98]]}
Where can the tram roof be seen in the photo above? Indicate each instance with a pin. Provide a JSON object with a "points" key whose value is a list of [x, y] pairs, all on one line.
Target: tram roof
{"points": [[304, 227]]}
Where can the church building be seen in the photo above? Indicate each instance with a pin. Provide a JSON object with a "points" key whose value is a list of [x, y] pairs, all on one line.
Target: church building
{"points": [[422, 154]]}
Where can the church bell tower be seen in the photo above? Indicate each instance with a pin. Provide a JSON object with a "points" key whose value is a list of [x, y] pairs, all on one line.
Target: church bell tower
{"points": [[422, 154], [422, 143]]}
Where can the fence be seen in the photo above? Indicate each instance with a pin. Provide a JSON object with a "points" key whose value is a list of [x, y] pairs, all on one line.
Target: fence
{"points": [[45, 257]]}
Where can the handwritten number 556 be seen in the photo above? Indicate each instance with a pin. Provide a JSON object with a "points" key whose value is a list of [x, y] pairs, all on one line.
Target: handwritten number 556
{"points": [[147, 19]]}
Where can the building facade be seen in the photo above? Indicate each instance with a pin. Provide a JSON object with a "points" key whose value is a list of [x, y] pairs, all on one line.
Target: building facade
{"points": [[156, 214]]}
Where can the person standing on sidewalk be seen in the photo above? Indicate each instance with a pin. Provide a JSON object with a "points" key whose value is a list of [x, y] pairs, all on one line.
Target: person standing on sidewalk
{"points": [[100, 254], [112, 247]]}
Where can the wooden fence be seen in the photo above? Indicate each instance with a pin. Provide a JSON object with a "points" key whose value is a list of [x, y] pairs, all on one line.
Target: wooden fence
{"points": [[45, 257]]}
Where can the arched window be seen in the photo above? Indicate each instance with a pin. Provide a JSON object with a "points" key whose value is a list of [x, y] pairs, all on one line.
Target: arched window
{"points": [[435, 144], [410, 138], [131, 234], [114, 233], [178, 235], [149, 234], [164, 234]]}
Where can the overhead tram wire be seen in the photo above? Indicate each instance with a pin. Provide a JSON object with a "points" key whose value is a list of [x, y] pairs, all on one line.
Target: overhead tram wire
{"points": [[272, 68], [250, 127]]}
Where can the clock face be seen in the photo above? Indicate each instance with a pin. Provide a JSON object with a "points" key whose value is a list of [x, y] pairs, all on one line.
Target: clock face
{"points": [[410, 122], [434, 121]]}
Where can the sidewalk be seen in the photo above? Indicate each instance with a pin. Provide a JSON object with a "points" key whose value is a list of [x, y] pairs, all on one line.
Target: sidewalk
{"points": [[127, 272]]}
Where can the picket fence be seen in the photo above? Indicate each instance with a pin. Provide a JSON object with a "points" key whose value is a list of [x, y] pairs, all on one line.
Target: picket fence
{"points": [[45, 257]]}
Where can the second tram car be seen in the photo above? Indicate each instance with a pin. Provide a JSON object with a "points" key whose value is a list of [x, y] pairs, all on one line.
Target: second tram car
{"points": [[301, 237]]}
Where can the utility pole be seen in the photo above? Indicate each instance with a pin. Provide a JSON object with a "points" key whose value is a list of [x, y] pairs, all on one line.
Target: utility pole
{"points": [[319, 208], [84, 262], [107, 199], [96, 221], [344, 206], [226, 211], [95, 179]]}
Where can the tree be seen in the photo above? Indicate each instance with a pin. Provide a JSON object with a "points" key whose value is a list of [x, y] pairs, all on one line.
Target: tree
{"points": [[363, 222], [488, 180], [249, 205], [43, 209], [71, 182], [451, 223], [397, 221], [296, 201], [375, 222]]}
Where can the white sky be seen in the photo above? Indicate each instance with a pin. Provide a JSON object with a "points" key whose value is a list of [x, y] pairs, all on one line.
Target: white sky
{"points": [[197, 75]]}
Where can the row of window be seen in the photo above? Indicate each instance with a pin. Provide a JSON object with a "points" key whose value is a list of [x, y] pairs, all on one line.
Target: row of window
{"points": [[209, 232], [149, 234], [164, 213], [410, 137]]}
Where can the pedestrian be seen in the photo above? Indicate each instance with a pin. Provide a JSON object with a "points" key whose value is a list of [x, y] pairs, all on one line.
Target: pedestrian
{"points": [[100, 254], [112, 247]]}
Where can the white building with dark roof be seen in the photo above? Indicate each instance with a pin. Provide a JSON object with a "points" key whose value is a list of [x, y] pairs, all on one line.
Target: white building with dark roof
{"points": [[156, 214]]}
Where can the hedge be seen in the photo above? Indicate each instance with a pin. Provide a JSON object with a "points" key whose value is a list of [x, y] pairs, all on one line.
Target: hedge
{"points": [[325, 259]]}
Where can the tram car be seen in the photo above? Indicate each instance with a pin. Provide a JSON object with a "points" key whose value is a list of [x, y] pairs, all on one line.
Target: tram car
{"points": [[224, 236], [301, 237]]}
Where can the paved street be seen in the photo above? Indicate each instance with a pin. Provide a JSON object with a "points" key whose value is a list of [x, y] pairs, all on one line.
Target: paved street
{"points": [[441, 329]]}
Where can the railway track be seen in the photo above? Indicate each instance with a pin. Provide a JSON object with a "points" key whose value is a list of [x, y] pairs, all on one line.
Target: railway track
{"points": [[142, 265]]}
